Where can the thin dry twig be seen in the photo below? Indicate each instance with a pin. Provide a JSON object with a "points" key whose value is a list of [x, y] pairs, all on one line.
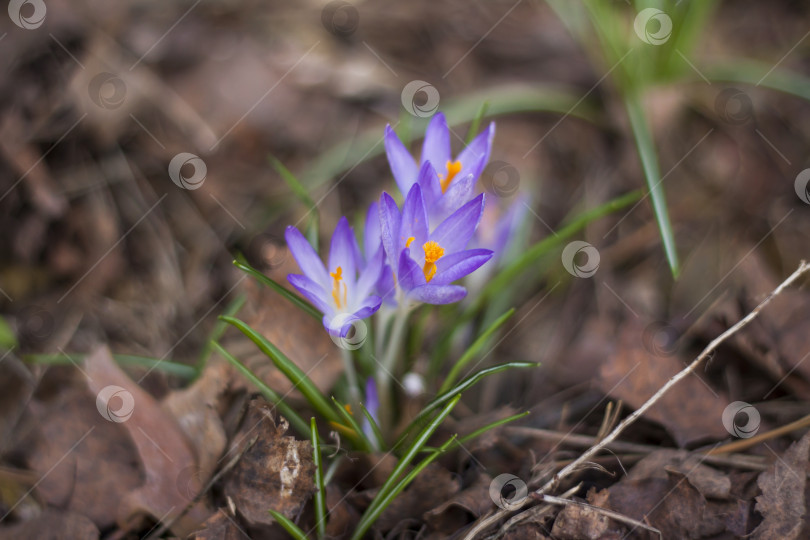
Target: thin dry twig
{"points": [[604, 511], [484, 523], [742, 444]]}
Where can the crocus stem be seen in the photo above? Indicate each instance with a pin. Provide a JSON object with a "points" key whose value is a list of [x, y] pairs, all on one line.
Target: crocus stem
{"points": [[351, 376], [386, 371]]}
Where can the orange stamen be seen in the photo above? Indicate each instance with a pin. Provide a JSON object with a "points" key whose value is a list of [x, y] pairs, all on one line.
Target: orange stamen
{"points": [[408, 241], [433, 252], [337, 281], [453, 168]]}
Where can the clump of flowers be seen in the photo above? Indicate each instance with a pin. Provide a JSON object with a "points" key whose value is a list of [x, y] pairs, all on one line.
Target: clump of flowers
{"points": [[413, 253]]}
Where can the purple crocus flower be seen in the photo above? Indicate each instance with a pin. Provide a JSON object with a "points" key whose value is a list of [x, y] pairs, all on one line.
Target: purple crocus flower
{"points": [[446, 183], [427, 262], [372, 242], [338, 292]]}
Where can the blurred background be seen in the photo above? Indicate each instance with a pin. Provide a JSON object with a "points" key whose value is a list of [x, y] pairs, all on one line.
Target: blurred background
{"points": [[140, 144]]}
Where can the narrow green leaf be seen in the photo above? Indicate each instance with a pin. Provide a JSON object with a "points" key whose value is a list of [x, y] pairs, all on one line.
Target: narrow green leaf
{"points": [[458, 389], [219, 328], [320, 487], [755, 73], [365, 444], [295, 420], [473, 350], [375, 429], [297, 377], [480, 431], [293, 183], [475, 125], [390, 486], [389, 497], [649, 162], [7, 338], [289, 526], [294, 298], [534, 253], [167, 366]]}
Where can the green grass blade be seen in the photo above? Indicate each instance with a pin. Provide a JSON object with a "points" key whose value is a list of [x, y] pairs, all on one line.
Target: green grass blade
{"points": [[652, 173], [303, 195], [320, 487], [269, 394], [756, 73], [292, 297], [297, 377], [389, 497], [473, 350], [365, 444], [475, 125], [458, 389], [534, 253], [219, 328], [379, 441], [7, 338], [382, 500], [167, 366], [480, 431], [289, 526]]}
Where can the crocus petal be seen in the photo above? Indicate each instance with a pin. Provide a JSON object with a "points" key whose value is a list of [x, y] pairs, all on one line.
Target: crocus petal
{"points": [[372, 239], [458, 265], [438, 294], [459, 192], [410, 274], [312, 292], [436, 148], [386, 287], [414, 219], [455, 232], [402, 163], [343, 252], [390, 220], [370, 274], [305, 256], [368, 307], [428, 180], [474, 158]]}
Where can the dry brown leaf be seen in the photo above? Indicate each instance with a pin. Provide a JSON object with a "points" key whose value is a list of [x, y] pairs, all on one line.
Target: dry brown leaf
{"points": [[671, 505], [430, 488], [275, 473], [86, 464], [690, 411], [195, 410], [782, 501], [710, 482], [220, 526], [161, 446], [473, 500], [52, 524]]}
